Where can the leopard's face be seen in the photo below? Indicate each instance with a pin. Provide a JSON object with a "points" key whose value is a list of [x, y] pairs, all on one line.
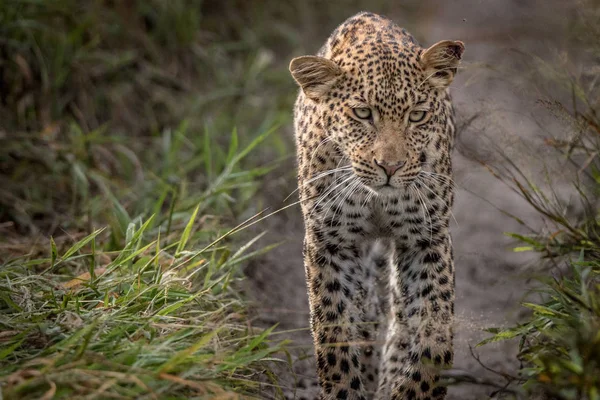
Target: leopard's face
{"points": [[383, 124], [381, 99]]}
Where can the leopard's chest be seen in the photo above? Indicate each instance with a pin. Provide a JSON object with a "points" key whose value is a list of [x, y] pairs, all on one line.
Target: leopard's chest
{"points": [[404, 219]]}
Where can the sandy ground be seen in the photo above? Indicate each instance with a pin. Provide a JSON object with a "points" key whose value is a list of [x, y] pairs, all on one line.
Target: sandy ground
{"points": [[490, 277]]}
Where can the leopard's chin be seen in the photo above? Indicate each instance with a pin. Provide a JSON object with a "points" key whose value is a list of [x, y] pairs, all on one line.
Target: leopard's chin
{"points": [[388, 190]]}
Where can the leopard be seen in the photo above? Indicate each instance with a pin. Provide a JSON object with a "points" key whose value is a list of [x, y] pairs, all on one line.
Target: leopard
{"points": [[374, 131]]}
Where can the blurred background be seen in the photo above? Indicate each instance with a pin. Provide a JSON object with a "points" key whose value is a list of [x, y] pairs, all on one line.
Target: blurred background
{"points": [[112, 111]]}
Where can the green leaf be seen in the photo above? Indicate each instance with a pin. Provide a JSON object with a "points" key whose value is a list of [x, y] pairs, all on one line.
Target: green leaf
{"points": [[507, 334], [8, 300], [523, 248], [128, 258], [255, 142], [544, 310], [233, 146], [129, 233], [186, 232], [182, 355], [259, 339], [594, 393], [8, 350], [74, 249], [524, 239], [53, 252], [126, 252], [178, 304], [207, 153], [70, 341]]}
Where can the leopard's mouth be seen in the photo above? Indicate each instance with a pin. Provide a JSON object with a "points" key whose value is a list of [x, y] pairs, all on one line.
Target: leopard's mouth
{"points": [[380, 183]]}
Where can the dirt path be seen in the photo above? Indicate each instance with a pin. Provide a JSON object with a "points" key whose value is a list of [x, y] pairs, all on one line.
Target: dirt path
{"points": [[489, 283]]}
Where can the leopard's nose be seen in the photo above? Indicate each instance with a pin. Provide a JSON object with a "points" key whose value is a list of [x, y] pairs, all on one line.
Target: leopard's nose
{"points": [[389, 168]]}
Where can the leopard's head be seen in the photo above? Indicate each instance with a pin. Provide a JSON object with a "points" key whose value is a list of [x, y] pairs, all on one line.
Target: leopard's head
{"points": [[382, 100]]}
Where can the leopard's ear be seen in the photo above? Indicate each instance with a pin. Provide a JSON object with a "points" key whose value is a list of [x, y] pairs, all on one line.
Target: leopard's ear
{"points": [[440, 62], [315, 75]]}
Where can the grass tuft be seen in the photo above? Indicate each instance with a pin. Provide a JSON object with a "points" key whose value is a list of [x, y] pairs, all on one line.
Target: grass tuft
{"points": [[145, 321]]}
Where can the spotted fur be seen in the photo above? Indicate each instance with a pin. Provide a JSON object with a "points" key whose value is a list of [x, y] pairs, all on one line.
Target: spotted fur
{"points": [[374, 131]]}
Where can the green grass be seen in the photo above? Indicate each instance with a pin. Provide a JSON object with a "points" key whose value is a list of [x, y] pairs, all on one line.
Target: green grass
{"points": [[132, 150], [148, 306], [151, 320]]}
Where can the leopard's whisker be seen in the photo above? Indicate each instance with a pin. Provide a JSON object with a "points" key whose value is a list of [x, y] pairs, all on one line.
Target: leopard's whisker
{"points": [[442, 200], [329, 192], [333, 200], [352, 188], [425, 210], [368, 197], [319, 176], [440, 177]]}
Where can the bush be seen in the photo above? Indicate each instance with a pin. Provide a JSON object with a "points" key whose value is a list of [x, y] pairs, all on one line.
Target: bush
{"points": [[560, 340]]}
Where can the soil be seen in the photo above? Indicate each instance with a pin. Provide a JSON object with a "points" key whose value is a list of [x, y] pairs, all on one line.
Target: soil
{"points": [[491, 279]]}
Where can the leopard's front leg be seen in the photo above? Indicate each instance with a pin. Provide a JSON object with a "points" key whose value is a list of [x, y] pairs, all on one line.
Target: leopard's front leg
{"points": [[335, 296], [421, 338]]}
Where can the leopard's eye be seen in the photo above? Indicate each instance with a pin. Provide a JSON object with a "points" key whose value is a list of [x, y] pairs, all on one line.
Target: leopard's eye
{"points": [[417, 116], [362, 112]]}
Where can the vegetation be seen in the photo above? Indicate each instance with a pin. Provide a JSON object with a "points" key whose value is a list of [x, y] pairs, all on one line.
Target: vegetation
{"points": [[152, 319], [124, 196], [560, 340], [133, 139], [105, 102]]}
